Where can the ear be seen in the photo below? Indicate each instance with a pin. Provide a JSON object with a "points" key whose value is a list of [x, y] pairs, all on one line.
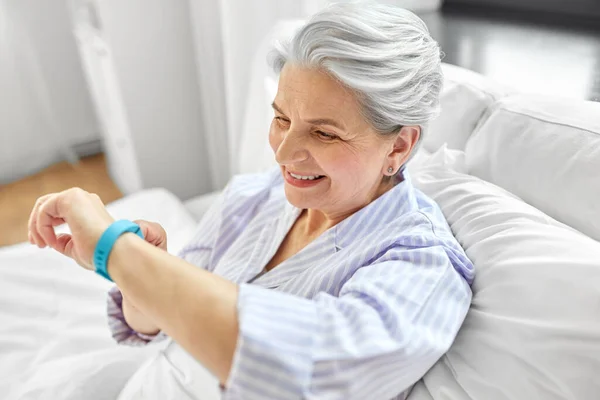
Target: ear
{"points": [[402, 147]]}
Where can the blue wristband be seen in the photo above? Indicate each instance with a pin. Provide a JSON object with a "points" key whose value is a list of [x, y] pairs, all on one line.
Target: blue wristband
{"points": [[107, 241]]}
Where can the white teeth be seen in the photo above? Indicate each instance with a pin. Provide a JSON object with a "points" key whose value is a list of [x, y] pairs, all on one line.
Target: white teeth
{"points": [[306, 178]]}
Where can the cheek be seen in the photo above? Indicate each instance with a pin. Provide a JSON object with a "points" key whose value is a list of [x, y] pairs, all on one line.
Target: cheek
{"points": [[339, 162], [349, 166]]}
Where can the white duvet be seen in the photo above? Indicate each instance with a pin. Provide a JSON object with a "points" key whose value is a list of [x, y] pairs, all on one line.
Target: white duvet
{"points": [[54, 338]]}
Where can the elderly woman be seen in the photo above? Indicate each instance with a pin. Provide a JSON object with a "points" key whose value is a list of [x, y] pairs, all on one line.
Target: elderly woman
{"points": [[330, 276]]}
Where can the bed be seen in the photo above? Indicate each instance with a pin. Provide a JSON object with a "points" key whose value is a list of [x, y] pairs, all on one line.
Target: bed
{"points": [[518, 179]]}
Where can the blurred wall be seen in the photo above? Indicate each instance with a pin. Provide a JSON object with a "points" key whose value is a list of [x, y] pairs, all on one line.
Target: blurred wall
{"points": [[44, 106], [147, 94]]}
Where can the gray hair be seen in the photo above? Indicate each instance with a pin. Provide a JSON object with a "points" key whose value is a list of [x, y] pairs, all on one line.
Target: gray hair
{"points": [[383, 54]]}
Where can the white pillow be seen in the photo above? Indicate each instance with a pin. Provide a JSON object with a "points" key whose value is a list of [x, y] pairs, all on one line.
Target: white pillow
{"points": [[443, 157], [546, 151], [533, 331], [465, 97]]}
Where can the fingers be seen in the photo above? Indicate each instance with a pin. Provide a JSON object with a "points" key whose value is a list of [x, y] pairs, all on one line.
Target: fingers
{"points": [[48, 216], [147, 229], [87, 219], [45, 224], [34, 236], [143, 226], [153, 233], [64, 245]]}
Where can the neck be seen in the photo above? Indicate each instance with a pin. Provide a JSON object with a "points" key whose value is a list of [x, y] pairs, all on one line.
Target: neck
{"points": [[313, 222]]}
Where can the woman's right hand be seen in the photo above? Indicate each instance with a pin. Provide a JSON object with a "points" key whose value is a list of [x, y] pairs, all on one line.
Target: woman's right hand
{"points": [[153, 233], [156, 235]]}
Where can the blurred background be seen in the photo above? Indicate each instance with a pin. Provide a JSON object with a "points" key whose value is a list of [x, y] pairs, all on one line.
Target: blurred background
{"points": [[116, 96]]}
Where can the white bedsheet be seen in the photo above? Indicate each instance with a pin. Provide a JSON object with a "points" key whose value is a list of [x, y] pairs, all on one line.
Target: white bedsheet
{"points": [[54, 338]]}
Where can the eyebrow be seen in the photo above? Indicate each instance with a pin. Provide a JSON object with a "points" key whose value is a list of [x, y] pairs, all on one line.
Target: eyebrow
{"points": [[318, 121]]}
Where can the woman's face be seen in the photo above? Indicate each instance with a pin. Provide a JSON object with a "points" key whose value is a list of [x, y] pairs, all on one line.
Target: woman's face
{"points": [[318, 131]]}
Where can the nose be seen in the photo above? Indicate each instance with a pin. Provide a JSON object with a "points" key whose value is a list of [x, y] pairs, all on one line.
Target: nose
{"points": [[291, 149]]}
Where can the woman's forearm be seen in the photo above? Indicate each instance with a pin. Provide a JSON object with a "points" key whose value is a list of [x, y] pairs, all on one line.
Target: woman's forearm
{"points": [[194, 307], [137, 320]]}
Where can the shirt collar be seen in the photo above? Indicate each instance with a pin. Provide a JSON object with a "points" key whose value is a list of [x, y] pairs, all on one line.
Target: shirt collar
{"points": [[398, 200], [389, 206]]}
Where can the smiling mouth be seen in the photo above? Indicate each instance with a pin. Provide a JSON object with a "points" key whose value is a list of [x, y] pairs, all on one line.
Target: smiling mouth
{"points": [[306, 177]]}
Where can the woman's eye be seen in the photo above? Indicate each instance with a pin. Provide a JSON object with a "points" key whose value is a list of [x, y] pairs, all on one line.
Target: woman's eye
{"points": [[282, 121], [326, 136]]}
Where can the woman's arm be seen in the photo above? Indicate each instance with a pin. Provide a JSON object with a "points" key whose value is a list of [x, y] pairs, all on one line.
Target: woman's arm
{"points": [[123, 315], [137, 320], [194, 307], [156, 235]]}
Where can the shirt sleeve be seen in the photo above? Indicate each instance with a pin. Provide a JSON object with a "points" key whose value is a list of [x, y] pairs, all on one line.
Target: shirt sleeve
{"points": [[198, 252], [119, 328], [390, 323]]}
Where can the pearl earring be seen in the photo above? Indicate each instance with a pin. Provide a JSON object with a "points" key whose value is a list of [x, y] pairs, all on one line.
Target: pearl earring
{"points": [[390, 170]]}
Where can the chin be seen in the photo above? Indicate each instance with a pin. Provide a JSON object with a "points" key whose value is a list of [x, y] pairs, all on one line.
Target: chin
{"points": [[298, 200]]}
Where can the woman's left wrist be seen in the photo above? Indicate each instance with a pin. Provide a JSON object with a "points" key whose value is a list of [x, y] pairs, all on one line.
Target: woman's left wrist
{"points": [[122, 253]]}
